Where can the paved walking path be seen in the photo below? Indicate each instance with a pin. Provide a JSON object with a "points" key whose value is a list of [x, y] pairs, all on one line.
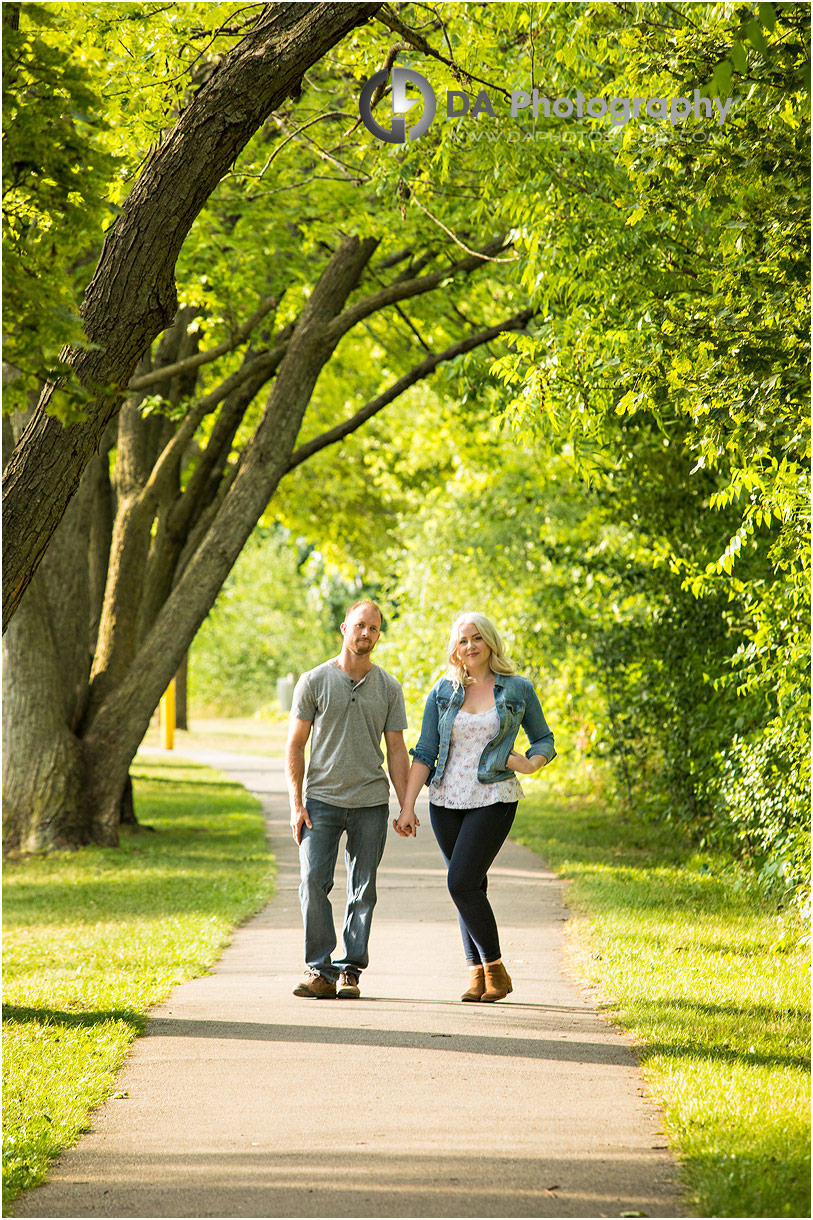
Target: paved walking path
{"points": [[245, 1101]]}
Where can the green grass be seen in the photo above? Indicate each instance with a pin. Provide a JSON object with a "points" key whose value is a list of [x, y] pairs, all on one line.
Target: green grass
{"points": [[94, 937], [709, 980]]}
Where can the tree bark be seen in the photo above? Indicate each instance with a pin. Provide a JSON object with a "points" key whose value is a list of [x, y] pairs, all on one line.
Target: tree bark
{"points": [[177, 525], [132, 297], [43, 769], [46, 662], [97, 472]]}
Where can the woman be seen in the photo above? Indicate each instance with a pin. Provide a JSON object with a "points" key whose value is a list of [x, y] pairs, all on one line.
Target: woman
{"points": [[466, 756]]}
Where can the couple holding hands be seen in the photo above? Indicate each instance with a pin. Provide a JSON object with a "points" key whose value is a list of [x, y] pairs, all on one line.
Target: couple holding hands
{"points": [[465, 754]]}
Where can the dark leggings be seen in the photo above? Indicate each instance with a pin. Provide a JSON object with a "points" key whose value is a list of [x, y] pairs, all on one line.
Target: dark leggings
{"points": [[470, 840]]}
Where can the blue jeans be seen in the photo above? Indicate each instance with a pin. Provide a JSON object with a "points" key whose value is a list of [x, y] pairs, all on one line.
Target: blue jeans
{"points": [[469, 840], [366, 836]]}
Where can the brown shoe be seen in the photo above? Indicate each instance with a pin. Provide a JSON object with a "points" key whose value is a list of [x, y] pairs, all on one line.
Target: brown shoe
{"points": [[498, 983], [348, 986], [316, 987], [477, 985]]}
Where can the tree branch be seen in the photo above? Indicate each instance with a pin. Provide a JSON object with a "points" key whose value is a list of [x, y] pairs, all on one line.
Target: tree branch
{"points": [[388, 18], [413, 198], [403, 383], [330, 114], [401, 289], [213, 353], [259, 370]]}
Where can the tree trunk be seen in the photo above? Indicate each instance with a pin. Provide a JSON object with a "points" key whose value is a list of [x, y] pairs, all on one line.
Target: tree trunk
{"points": [[132, 296], [140, 441], [101, 532], [42, 759], [178, 523], [181, 694], [114, 735], [127, 816], [47, 653]]}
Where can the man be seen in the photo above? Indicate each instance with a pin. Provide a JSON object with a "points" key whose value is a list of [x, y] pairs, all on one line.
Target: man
{"points": [[348, 703]]}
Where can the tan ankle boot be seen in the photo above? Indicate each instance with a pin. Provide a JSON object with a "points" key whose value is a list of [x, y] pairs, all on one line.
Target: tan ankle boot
{"points": [[498, 983], [477, 984]]}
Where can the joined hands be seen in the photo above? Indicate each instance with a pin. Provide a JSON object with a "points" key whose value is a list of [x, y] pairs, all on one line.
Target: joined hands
{"points": [[406, 823]]}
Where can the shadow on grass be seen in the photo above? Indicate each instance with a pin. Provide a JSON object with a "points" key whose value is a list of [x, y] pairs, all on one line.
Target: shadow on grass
{"points": [[704, 1017], [764, 1181], [765, 1012], [18, 1015], [722, 1054]]}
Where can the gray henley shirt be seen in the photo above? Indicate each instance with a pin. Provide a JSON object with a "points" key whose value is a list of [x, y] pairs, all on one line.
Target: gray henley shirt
{"points": [[346, 761]]}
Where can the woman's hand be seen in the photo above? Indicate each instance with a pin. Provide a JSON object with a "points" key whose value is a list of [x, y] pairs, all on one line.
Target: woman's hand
{"points": [[527, 766], [406, 824]]}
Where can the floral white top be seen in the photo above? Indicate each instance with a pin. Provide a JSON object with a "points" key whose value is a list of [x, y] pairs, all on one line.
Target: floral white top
{"points": [[460, 787]]}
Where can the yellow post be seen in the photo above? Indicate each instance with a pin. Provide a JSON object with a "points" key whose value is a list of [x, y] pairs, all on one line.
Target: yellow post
{"points": [[168, 716]]}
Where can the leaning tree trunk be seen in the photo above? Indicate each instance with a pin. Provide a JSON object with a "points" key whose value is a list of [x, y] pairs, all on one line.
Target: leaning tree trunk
{"points": [[140, 441], [46, 667]]}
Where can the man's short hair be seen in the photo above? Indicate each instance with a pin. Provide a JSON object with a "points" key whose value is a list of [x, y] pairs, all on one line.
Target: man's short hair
{"points": [[365, 601]]}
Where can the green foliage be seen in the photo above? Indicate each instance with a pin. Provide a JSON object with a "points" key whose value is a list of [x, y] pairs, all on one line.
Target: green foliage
{"points": [[55, 174], [670, 266], [759, 803], [713, 988], [94, 938], [87, 89], [270, 619]]}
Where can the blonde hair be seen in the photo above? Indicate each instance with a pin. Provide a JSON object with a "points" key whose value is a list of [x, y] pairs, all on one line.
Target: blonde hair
{"points": [[498, 662]]}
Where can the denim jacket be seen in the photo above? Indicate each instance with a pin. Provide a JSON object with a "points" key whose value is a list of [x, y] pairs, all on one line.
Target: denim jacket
{"points": [[516, 704]]}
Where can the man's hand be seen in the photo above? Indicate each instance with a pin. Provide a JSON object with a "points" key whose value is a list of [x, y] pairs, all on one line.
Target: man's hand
{"points": [[299, 818], [298, 734], [406, 824]]}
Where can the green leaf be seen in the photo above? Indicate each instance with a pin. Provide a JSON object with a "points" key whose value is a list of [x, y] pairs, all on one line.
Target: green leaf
{"points": [[722, 78], [739, 58], [753, 32], [767, 16]]}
